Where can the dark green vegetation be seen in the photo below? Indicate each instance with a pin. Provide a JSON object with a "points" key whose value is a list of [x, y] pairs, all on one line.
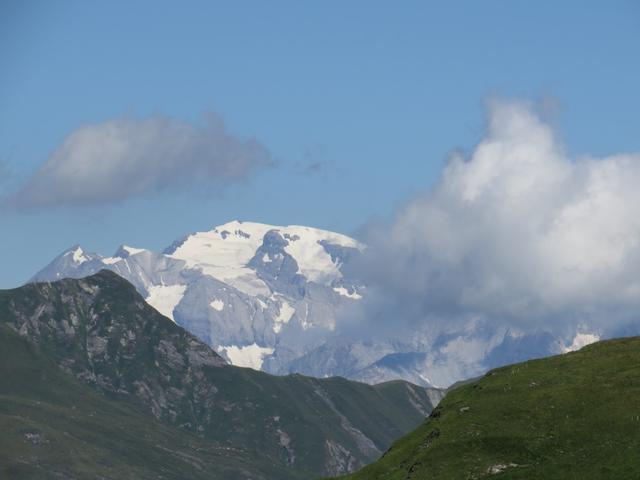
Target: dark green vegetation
{"points": [[52, 426], [94, 383], [573, 416]]}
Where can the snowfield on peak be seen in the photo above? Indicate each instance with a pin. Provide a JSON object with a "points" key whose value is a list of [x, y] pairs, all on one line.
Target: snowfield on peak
{"points": [[77, 255], [224, 253], [132, 250]]}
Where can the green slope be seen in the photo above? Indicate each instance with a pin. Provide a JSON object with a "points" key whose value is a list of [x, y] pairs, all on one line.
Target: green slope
{"points": [[52, 426], [573, 416], [151, 374]]}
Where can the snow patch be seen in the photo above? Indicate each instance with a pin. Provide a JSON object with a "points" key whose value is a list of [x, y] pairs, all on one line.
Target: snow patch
{"points": [[250, 356], [111, 260], [284, 315], [223, 253], [305, 321], [165, 298], [581, 340], [345, 293], [131, 250], [217, 305], [78, 255], [314, 261], [262, 304]]}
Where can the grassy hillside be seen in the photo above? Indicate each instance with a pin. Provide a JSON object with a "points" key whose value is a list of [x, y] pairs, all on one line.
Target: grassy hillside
{"points": [[573, 416], [109, 380], [52, 426]]}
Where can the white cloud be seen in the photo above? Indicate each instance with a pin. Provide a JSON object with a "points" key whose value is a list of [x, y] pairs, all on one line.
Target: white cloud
{"points": [[517, 231], [127, 157]]}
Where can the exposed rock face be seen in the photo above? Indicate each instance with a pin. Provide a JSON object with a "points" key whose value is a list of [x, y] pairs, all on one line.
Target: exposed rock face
{"points": [[126, 348], [101, 331]]}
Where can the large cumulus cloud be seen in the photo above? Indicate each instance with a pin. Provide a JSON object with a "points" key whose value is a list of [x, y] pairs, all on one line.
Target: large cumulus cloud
{"points": [[517, 232], [128, 157]]}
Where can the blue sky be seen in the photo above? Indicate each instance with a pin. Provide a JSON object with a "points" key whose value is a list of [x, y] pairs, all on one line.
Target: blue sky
{"points": [[358, 103]]}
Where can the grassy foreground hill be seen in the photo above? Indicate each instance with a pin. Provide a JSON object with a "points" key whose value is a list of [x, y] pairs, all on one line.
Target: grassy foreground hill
{"points": [[572, 416], [94, 383]]}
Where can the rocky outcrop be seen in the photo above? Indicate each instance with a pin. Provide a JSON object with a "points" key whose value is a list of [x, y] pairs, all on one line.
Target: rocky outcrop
{"points": [[122, 348]]}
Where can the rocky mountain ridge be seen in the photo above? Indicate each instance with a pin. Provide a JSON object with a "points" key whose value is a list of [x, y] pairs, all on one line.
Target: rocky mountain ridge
{"points": [[101, 331]]}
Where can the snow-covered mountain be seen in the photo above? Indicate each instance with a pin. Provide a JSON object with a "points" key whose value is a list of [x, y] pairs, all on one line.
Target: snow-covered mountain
{"points": [[270, 298], [261, 295]]}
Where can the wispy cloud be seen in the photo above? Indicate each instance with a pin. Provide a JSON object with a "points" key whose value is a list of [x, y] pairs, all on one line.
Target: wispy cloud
{"points": [[518, 232], [314, 162], [128, 157]]}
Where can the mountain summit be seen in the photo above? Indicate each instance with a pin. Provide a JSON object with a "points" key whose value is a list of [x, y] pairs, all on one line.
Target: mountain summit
{"points": [[261, 295]]}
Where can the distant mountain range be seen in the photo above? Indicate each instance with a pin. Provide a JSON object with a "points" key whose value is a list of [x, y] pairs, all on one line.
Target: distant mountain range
{"points": [[95, 383], [261, 296], [273, 298]]}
